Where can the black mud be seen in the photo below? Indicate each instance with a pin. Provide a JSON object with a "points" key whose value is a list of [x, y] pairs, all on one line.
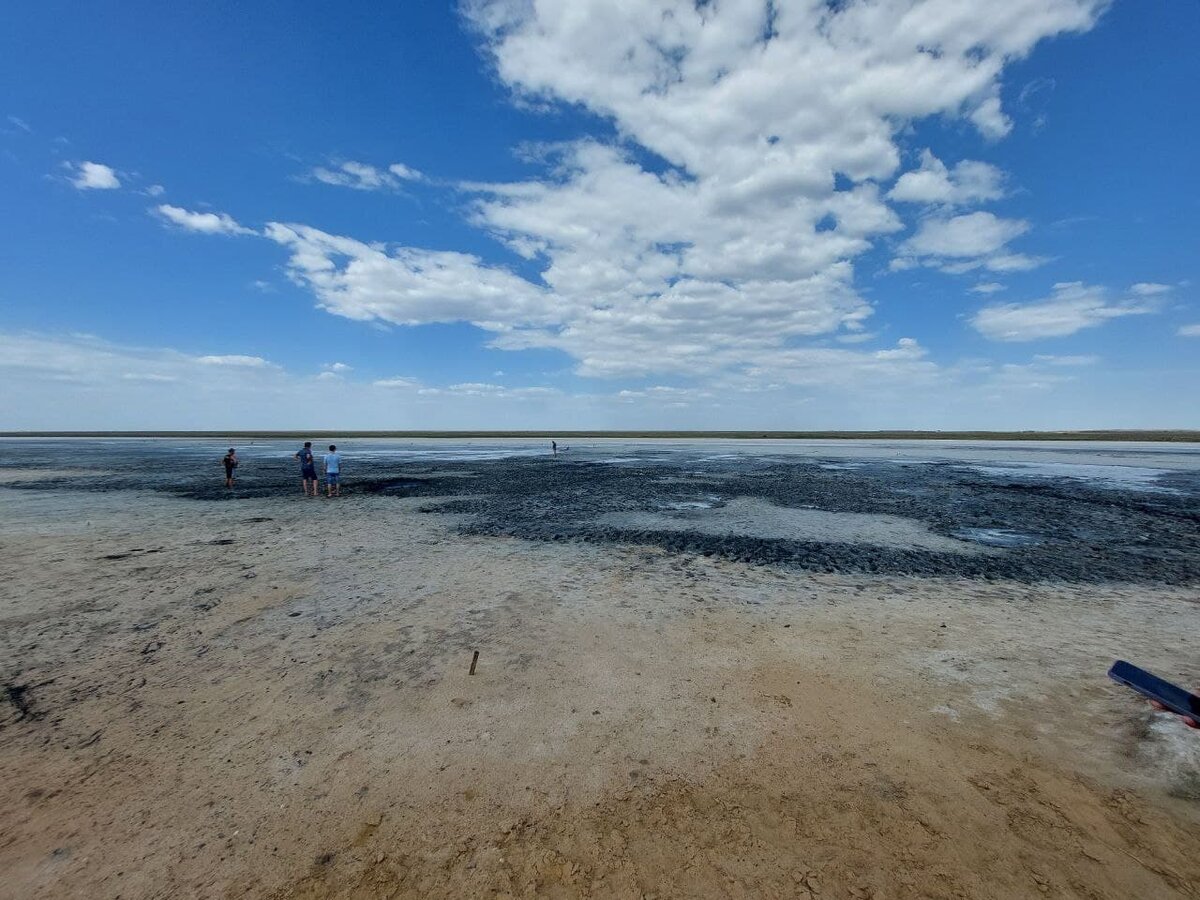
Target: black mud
{"points": [[1031, 529]]}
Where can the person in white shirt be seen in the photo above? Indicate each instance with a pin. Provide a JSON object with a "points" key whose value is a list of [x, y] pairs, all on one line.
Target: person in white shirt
{"points": [[333, 472]]}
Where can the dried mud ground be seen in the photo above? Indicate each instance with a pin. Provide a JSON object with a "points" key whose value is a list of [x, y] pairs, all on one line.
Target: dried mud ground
{"points": [[270, 698]]}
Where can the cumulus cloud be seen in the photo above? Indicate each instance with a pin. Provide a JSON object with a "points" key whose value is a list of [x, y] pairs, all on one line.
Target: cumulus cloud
{"points": [[968, 182], [720, 230], [333, 371], [94, 176], [1073, 306], [990, 119], [201, 222], [959, 244], [407, 286], [364, 176]]}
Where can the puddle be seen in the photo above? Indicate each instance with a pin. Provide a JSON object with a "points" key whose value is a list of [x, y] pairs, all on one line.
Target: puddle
{"points": [[707, 502]]}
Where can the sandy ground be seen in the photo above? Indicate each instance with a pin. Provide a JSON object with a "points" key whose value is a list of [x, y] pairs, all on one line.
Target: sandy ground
{"points": [[271, 698]]}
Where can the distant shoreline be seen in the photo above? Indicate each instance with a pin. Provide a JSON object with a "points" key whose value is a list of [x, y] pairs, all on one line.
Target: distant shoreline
{"points": [[1171, 436]]}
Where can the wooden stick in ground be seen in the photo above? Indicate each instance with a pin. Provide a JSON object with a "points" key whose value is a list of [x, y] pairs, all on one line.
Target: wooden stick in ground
{"points": [[474, 659]]}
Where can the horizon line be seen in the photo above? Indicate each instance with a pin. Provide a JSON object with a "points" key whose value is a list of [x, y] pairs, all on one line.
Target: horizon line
{"points": [[1174, 435]]}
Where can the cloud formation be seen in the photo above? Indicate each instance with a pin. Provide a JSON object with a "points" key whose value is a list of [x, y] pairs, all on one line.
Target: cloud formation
{"points": [[959, 244], [94, 176], [1073, 306], [1149, 289], [968, 182], [364, 176], [201, 222], [243, 362], [720, 231]]}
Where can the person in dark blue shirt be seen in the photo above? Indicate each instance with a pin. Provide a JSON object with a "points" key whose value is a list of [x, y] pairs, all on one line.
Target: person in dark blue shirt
{"points": [[308, 469]]}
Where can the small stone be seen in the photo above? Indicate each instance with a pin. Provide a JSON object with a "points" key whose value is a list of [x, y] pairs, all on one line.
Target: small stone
{"points": [[374, 820], [380, 856]]}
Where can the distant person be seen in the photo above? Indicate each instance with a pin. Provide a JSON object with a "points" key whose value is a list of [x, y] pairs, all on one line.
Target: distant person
{"points": [[333, 472], [231, 462], [554, 447], [308, 469]]}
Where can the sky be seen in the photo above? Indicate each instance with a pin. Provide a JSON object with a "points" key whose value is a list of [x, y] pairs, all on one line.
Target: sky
{"points": [[609, 214]]}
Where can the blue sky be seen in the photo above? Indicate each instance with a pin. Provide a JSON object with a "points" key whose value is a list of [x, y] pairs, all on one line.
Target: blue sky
{"points": [[504, 214]]}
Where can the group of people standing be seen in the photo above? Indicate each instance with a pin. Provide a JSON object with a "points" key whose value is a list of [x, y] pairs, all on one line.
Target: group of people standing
{"points": [[308, 471], [332, 462]]}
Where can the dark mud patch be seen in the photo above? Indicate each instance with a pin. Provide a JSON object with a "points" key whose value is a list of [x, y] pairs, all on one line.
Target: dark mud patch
{"points": [[1000, 526]]}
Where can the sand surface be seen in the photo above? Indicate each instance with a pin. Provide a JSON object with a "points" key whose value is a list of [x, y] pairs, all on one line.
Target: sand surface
{"points": [[270, 698]]}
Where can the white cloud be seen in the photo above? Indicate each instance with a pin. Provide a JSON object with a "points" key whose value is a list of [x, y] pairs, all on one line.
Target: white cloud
{"points": [[1149, 289], [398, 382], [82, 382], [742, 244], [990, 119], [21, 124], [1189, 330], [986, 287], [155, 190], [1072, 307], [246, 362], [408, 173], [364, 176], [201, 222], [407, 286], [494, 391], [94, 176], [968, 182], [333, 371], [972, 235], [1066, 360], [961, 244]]}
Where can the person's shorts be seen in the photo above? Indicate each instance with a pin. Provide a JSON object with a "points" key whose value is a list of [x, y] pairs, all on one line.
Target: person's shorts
{"points": [[332, 477], [308, 472]]}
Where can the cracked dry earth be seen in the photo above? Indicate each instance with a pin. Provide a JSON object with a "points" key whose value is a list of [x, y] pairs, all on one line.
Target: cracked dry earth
{"points": [[270, 698]]}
